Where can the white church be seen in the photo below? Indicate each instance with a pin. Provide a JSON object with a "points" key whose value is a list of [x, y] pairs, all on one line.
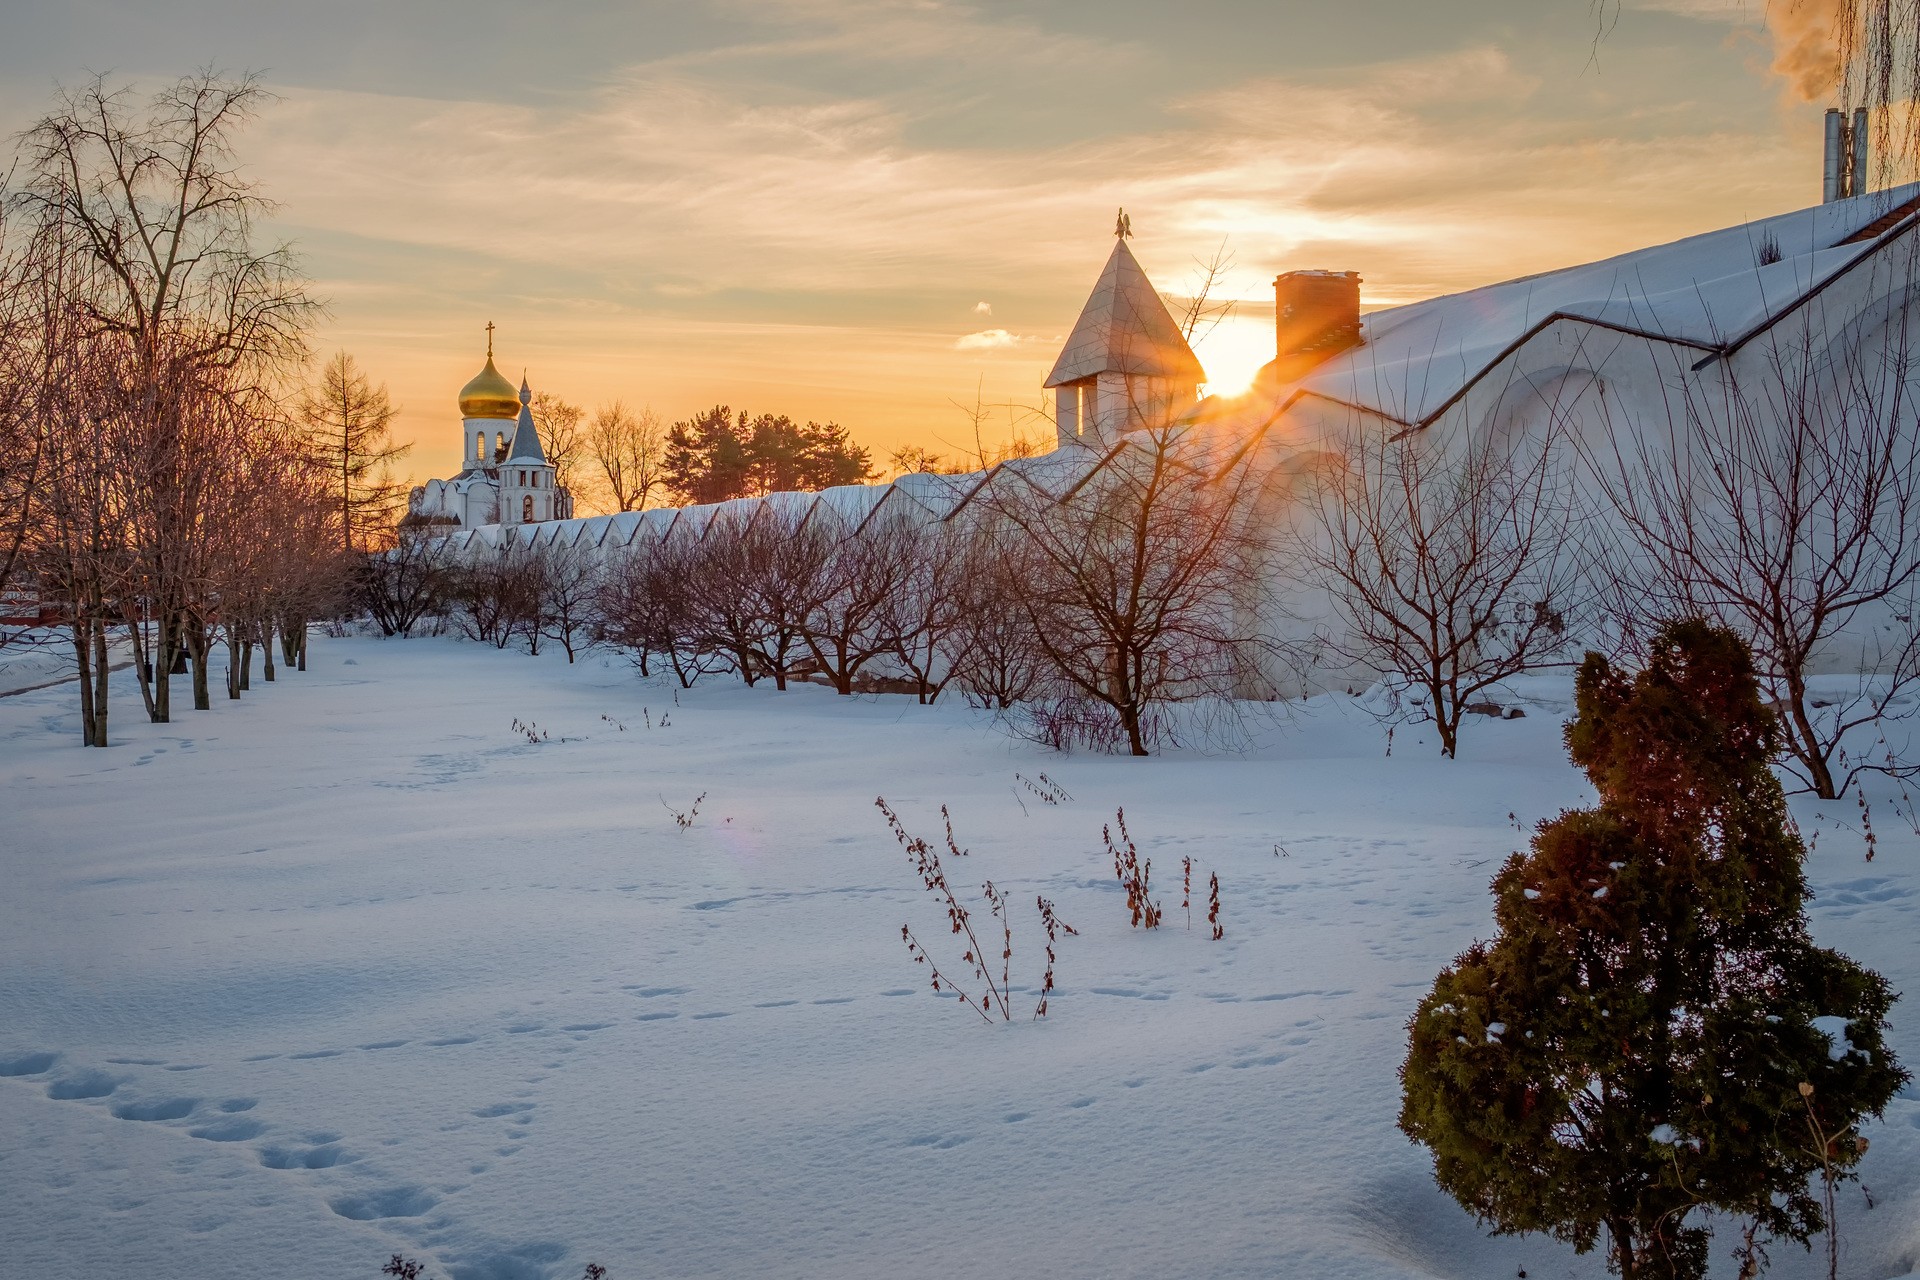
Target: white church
{"points": [[505, 477]]}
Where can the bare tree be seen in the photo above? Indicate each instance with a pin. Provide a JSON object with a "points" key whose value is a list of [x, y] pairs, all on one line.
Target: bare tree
{"points": [[1203, 312], [405, 584], [858, 583], [757, 577], [569, 584], [35, 321], [1447, 560], [1783, 502], [151, 197], [560, 432], [348, 421], [989, 650], [1135, 585], [628, 447], [646, 606], [926, 614]]}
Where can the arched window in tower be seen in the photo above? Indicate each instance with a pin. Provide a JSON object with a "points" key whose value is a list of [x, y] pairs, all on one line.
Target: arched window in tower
{"points": [[499, 445], [526, 509], [479, 446]]}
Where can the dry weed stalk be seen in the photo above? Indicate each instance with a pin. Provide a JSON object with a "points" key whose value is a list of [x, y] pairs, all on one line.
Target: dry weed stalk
{"points": [[684, 820], [1054, 926], [1866, 821], [1213, 907], [994, 995], [926, 862], [1133, 874]]}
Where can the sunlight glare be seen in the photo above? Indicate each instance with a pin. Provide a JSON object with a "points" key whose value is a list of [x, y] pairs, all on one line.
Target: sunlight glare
{"points": [[1233, 352]]}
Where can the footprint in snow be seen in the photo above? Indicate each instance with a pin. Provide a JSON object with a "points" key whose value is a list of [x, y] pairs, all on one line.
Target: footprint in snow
{"points": [[389, 1202], [28, 1064], [157, 1109], [229, 1129], [83, 1084], [322, 1157]]}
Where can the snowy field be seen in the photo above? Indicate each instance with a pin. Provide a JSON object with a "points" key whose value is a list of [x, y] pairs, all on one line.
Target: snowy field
{"points": [[351, 968]]}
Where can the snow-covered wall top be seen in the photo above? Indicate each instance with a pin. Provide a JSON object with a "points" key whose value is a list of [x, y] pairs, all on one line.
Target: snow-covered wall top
{"points": [[1701, 292]]}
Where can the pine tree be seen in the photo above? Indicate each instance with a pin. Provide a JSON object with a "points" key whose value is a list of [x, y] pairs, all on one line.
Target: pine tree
{"points": [[1633, 1045], [347, 419]]}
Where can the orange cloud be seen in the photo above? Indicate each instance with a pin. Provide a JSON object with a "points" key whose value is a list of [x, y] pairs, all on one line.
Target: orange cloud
{"points": [[1807, 44]]}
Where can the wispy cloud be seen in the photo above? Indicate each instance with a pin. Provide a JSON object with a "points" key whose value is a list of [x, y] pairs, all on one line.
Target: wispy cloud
{"points": [[988, 340], [705, 219]]}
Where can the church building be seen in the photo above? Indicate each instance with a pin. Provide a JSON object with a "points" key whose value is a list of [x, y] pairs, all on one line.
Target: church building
{"points": [[505, 477]]}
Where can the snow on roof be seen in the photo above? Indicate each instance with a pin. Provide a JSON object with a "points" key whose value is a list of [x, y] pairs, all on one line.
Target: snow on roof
{"points": [[1125, 328], [1703, 291], [937, 493], [851, 503]]}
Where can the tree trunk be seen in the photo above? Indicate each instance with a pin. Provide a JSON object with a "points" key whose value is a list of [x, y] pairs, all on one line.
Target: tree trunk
{"points": [[200, 644], [1805, 743], [303, 646], [289, 641], [1624, 1256], [266, 650], [246, 664], [82, 656], [100, 682]]}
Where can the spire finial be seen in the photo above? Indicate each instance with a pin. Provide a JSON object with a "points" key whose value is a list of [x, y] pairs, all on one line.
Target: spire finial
{"points": [[1122, 225], [489, 339]]}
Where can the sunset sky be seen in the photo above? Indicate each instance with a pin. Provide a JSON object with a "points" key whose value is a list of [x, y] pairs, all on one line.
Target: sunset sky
{"points": [[867, 210]]}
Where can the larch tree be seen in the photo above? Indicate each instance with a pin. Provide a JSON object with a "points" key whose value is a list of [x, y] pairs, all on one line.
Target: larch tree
{"points": [[349, 423]]}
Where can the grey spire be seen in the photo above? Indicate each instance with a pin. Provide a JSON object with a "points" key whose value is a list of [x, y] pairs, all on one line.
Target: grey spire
{"points": [[1125, 328], [526, 436]]}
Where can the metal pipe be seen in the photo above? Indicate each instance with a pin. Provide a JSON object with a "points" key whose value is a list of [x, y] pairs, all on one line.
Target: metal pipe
{"points": [[1857, 138], [1831, 169]]}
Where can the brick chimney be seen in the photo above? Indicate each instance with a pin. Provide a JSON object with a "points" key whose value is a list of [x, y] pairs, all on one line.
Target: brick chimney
{"points": [[1316, 315]]}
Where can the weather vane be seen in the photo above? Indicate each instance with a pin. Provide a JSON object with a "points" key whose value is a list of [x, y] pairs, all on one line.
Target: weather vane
{"points": [[1122, 225], [489, 339]]}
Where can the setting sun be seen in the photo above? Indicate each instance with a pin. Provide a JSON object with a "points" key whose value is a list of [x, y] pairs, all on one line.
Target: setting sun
{"points": [[1233, 351]]}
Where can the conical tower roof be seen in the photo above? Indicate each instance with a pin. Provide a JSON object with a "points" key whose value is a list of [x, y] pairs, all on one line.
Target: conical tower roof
{"points": [[526, 436], [1125, 328]]}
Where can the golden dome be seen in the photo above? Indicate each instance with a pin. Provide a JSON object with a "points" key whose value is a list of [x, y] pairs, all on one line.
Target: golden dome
{"points": [[489, 395]]}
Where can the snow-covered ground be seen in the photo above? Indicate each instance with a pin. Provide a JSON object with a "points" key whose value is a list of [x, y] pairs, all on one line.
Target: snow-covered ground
{"points": [[351, 968]]}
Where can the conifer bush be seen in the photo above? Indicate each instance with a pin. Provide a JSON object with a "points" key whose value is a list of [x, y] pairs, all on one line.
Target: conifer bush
{"points": [[1631, 1047]]}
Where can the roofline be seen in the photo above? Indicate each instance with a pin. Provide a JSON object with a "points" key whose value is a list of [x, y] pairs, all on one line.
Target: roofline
{"points": [[1714, 350]]}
